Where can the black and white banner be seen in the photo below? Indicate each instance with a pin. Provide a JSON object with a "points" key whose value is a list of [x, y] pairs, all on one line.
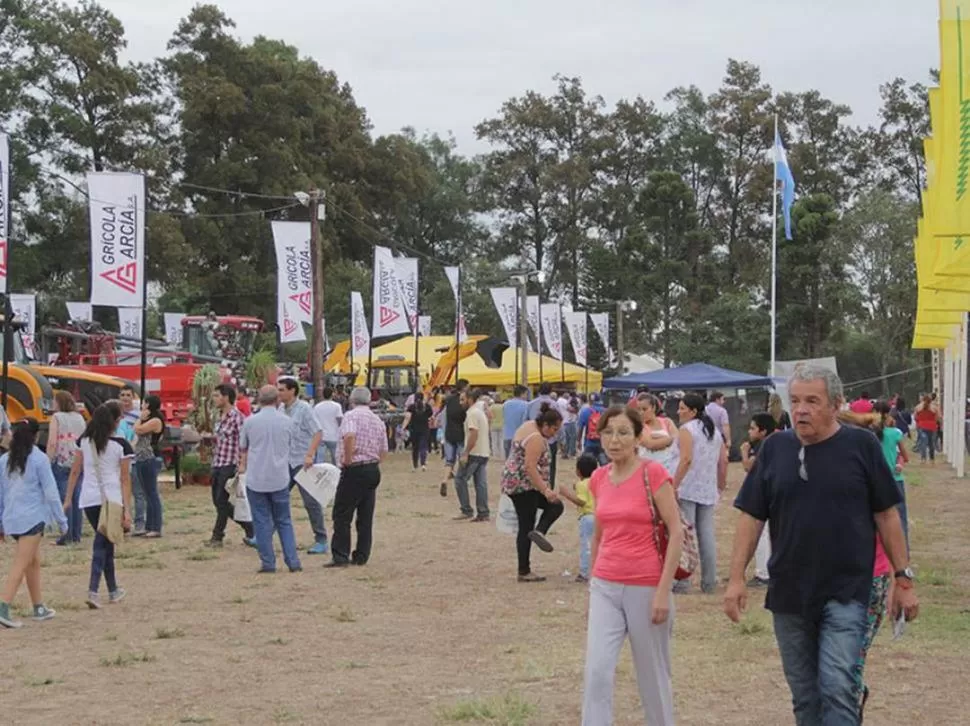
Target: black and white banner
{"points": [[25, 310], [129, 322], [532, 310], [4, 209], [173, 328], [454, 277], [294, 279], [424, 326], [576, 327], [359, 337], [506, 304], [601, 324], [551, 314], [390, 316], [407, 277], [117, 208], [80, 311]]}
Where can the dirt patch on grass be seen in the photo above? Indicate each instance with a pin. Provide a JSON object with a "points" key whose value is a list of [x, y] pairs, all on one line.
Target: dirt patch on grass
{"points": [[434, 630]]}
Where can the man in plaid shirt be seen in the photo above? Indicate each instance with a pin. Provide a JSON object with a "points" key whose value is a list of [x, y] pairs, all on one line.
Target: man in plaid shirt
{"points": [[362, 446], [224, 460]]}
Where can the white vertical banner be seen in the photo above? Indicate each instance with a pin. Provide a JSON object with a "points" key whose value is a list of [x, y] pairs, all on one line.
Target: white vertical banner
{"points": [[173, 328], [4, 209], [454, 277], [532, 310], [294, 279], [551, 316], [80, 311], [576, 327], [407, 277], [359, 337], [424, 326], [326, 338], [506, 304], [129, 322], [601, 324], [25, 311], [390, 317], [117, 209]]}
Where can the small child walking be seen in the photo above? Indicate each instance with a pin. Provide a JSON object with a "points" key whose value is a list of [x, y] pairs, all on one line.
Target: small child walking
{"points": [[581, 497]]}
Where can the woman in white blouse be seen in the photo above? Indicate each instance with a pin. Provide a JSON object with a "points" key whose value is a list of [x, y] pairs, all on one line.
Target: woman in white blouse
{"points": [[659, 441]]}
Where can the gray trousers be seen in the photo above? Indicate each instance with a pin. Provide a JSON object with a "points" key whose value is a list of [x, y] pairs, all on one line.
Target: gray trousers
{"points": [[701, 517], [616, 611], [476, 470]]}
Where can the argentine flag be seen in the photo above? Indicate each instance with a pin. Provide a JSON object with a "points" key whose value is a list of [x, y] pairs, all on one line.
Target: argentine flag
{"points": [[783, 174]]}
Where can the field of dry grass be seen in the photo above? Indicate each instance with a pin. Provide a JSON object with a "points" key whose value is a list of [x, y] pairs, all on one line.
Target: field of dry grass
{"points": [[434, 630]]}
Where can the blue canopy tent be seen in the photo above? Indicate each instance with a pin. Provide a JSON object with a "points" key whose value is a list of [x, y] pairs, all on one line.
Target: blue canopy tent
{"points": [[695, 376]]}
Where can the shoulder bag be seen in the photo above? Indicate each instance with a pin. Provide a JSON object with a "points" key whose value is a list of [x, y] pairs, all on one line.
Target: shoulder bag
{"points": [[111, 518], [689, 554]]}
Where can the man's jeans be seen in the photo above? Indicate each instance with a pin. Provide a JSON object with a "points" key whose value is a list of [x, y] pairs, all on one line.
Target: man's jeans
{"points": [[569, 439], [701, 517], [452, 452], [313, 509], [271, 513], [75, 518], [818, 656], [141, 506], [327, 453], [475, 469], [587, 525]]}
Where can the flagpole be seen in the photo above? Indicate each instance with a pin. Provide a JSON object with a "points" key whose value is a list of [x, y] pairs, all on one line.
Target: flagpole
{"points": [[352, 337], [774, 250], [458, 326]]}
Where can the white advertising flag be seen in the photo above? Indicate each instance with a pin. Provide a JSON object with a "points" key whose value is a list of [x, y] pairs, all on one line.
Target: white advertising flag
{"points": [[551, 315], [294, 279], [453, 274], [80, 311], [360, 338], [601, 324], [117, 208], [25, 310], [390, 317], [4, 209], [576, 325], [454, 277], [129, 322], [506, 303], [424, 325], [407, 277], [532, 310], [173, 328]]}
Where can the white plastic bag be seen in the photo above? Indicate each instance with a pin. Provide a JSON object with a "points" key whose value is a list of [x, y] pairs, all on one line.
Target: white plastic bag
{"points": [[241, 511], [320, 482], [507, 521]]}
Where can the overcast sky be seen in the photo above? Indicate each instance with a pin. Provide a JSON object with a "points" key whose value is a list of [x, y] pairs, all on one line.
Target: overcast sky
{"points": [[445, 65]]}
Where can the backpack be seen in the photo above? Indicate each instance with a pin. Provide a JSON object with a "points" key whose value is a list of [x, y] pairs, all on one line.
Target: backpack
{"points": [[593, 425]]}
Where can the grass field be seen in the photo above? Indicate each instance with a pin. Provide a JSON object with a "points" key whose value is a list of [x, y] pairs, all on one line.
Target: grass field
{"points": [[434, 630]]}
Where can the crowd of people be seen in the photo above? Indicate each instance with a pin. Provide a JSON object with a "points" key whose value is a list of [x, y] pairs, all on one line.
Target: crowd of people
{"points": [[822, 507]]}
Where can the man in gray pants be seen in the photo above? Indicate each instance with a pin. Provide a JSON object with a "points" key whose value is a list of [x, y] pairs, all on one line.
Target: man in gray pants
{"points": [[474, 462]]}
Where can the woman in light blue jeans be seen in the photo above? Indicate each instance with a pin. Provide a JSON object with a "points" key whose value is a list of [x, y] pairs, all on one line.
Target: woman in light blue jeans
{"points": [[701, 477], [150, 427]]}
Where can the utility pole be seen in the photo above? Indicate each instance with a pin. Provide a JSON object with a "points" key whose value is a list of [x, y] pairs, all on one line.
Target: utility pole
{"points": [[619, 338], [316, 262]]}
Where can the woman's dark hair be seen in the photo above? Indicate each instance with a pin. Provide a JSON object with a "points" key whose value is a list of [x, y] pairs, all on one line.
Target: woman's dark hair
{"points": [[419, 402], [154, 404], [900, 404], [636, 420], [883, 409], [696, 404], [548, 416], [102, 425], [22, 443]]}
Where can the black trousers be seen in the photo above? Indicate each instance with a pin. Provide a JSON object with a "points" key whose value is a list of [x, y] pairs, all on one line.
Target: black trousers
{"points": [[356, 494], [527, 504], [553, 452], [223, 504]]}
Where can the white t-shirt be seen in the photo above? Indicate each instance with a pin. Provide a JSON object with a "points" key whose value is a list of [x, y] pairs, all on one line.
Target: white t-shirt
{"points": [[103, 470], [329, 415]]}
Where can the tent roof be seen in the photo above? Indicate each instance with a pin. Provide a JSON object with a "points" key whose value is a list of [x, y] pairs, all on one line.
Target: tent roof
{"points": [[693, 376]]}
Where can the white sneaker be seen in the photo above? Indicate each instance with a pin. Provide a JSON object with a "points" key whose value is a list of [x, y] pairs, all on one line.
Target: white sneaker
{"points": [[93, 602]]}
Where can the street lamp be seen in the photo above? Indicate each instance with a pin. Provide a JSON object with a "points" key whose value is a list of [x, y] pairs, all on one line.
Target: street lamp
{"points": [[521, 277], [624, 306]]}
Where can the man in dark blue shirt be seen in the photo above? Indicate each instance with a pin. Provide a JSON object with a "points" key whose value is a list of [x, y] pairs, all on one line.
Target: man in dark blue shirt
{"points": [[826, 490]]}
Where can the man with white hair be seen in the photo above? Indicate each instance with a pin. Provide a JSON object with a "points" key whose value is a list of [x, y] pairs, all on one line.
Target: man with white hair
{"points": [[826, 491], [264, 455], [362, 447]]}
